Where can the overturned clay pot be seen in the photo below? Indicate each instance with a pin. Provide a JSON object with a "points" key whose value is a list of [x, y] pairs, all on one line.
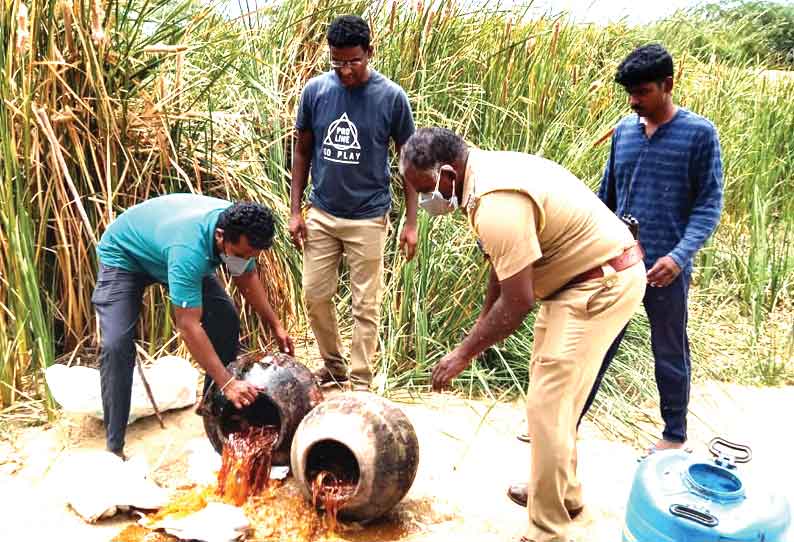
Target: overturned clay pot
{"points": [[362, 437], [290, 392]]}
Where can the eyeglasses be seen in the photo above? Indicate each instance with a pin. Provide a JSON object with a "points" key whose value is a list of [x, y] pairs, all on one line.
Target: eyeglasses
{"points": [[349, 63]]}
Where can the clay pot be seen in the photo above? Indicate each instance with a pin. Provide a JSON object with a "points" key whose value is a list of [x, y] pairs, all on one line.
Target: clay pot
{"points": [[290, 393], [366, 437]]}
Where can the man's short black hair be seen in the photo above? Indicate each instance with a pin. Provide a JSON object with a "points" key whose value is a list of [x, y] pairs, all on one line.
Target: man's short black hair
{"points": [[647, 64], [253, 220], [349, 31], [429, 148]]}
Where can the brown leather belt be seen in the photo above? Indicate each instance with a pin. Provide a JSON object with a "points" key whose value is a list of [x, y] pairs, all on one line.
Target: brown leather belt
{"points": [[630, 256]]}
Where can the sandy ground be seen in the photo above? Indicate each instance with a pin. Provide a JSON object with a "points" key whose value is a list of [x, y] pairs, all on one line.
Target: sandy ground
{"points": [[469, 455]]}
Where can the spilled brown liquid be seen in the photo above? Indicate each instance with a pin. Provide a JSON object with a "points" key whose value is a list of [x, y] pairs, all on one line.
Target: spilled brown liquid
{"points": [[331, 493], [277, 510], [245, 463]]}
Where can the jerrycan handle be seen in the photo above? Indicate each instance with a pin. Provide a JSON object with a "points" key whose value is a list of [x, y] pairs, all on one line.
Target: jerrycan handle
{"points": [[721, 448], [691, 514]]}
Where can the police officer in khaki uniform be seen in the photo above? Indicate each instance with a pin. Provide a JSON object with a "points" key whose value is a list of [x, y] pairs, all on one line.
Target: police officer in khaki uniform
{"points": [[548, 238]]}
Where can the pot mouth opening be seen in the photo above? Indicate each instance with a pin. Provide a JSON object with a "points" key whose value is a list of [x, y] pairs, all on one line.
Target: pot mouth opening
{"points": [[262, 412], [336, 460]]}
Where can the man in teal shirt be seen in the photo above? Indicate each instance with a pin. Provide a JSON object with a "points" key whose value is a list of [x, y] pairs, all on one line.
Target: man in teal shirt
{"points": [[179, 240]]}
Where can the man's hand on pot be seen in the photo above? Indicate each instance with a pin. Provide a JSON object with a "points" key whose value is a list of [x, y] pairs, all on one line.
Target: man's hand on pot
{"points": [[241, 393]]}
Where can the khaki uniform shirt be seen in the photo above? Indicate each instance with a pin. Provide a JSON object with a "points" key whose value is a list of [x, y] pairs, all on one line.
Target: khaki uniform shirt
{"points": [[527, 210]]}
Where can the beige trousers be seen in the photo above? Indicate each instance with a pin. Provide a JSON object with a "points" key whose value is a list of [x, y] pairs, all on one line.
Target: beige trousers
{"points": [[362, 242], [573, 330]]}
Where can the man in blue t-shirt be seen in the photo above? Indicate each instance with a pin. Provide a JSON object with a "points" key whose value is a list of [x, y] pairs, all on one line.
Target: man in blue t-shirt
{"points": [[179, 240], [345, 120]]}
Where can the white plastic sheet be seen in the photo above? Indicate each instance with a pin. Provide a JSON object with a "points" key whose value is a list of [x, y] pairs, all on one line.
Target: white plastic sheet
{"points": [[216, 522], [203, 462], [172, 379], [97, 484]]}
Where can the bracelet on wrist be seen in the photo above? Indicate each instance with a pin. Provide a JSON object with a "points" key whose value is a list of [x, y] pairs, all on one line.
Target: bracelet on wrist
{"points": [[227, 383]]}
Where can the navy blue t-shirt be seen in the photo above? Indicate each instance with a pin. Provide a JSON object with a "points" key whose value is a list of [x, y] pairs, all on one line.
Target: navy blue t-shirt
{"points": [[352, 128]]}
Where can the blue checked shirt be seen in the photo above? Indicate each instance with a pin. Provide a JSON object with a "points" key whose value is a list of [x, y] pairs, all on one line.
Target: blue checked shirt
{"points": [[671, 183]]}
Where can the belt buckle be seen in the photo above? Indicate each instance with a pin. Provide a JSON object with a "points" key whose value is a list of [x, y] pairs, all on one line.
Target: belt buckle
{"points": [[610, 275]]}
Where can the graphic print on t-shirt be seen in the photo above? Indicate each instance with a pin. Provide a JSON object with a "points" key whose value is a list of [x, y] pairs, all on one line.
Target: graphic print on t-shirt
{"points": [[341, 142]]}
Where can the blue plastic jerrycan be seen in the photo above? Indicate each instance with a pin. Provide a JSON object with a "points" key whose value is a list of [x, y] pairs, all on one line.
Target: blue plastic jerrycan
{"points": [[678, 497]]}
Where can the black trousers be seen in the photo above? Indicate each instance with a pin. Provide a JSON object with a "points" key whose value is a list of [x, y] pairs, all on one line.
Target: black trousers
{"points": [[667, 314], [117, 300]]}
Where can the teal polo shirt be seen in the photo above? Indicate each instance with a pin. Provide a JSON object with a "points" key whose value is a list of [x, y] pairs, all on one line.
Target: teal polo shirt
{"points": [[169, 238]]}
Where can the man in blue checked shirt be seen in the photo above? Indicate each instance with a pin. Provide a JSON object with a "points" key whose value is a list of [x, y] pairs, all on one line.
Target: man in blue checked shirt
{"points": [[665, 170]]}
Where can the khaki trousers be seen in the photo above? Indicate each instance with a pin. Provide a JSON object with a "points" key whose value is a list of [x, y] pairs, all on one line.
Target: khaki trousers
{"points": [[362, 242], [573, 330]]}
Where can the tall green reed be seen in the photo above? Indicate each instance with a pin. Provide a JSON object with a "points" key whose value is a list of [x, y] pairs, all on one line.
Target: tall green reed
{"points": [[178, 98]]}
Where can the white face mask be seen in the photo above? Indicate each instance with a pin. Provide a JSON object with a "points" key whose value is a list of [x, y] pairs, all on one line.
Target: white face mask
{"points": [[435, 204], [235, 264]]}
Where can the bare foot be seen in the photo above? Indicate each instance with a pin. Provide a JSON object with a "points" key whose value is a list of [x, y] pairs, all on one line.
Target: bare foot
{"points": [[669, 445]]}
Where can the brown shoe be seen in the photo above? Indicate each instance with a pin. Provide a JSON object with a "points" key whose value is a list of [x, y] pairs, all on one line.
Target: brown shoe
{"points": [[324, 376], [575, 513], [518, 494]]}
